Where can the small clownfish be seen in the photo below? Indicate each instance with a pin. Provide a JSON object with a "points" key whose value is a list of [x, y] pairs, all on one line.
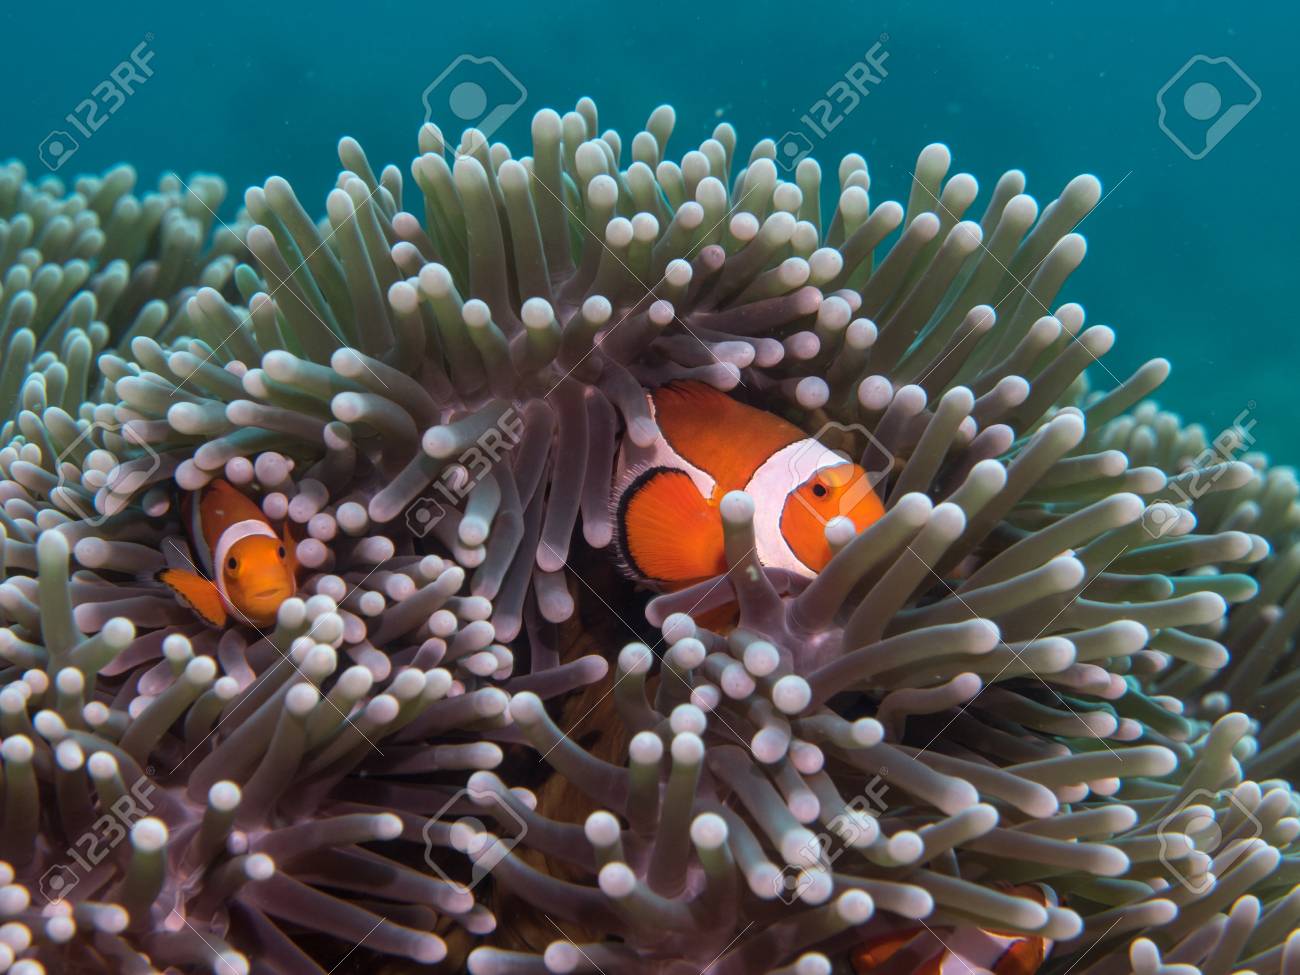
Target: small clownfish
{"points": [[963, 951], [668, 525], [249, 569]]}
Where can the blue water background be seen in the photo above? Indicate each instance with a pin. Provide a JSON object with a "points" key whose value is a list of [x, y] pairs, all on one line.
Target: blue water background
{"points": [[1191, 259]]}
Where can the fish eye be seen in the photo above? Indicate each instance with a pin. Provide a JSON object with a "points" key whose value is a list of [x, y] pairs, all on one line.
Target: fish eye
{"points": [[280, 552], [820, 490], [232, 563]]}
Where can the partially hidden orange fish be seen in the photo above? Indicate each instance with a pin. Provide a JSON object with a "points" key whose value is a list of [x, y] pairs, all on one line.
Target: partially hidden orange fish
{"points": [[246, 571], [666, 502], [962, 951]]}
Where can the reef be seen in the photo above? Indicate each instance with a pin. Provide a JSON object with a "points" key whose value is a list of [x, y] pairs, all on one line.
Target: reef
{"points": [[1059, 663]]}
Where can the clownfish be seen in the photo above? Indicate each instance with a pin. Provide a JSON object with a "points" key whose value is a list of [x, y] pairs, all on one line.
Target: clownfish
{"points": [[248, 569], [667, 522], [963, 951]]}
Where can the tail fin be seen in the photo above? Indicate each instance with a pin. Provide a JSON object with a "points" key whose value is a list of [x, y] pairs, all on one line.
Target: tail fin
{"points": [[666, 532]]}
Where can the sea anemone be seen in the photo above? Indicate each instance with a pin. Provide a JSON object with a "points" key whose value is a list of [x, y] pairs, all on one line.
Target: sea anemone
{"points": [[1033, 698]]}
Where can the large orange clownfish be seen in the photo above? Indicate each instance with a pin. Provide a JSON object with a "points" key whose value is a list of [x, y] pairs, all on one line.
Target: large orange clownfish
{"points": [[962, 951], [666, 501], [247, 569]]}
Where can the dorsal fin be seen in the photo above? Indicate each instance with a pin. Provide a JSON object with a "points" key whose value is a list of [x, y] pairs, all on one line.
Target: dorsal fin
{"points": [[718, 434], [220, 506]]}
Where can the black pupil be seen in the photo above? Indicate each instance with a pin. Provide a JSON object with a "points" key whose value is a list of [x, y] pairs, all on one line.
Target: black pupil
{"points": [[232, 563], [819, 490], [280, 551]]}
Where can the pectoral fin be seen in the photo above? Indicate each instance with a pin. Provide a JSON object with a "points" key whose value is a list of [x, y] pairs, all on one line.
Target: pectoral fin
{"points": [[197, 593]]}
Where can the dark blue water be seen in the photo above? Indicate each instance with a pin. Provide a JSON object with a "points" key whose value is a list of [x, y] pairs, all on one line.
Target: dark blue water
{"points": [[1190, 259]]}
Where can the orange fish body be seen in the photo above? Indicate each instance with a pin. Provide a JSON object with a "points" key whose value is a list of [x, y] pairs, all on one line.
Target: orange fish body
{"points": [[961, 951], [666, 503], [246, 570]]}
